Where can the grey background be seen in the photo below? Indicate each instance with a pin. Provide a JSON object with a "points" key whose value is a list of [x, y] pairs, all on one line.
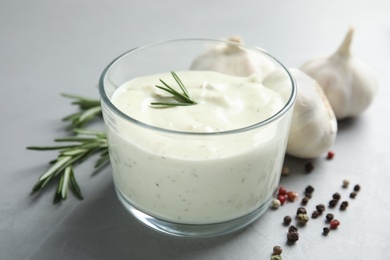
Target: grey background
{"points": [[51, 47]]}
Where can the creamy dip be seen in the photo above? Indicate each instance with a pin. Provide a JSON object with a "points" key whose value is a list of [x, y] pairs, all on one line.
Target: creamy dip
{"points": [[195, 178]]}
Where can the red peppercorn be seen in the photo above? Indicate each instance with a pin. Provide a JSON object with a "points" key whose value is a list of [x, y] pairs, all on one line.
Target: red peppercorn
{"points": [[330, 155], [292, 196], [334, 223], [282, 191], [282, 199]]}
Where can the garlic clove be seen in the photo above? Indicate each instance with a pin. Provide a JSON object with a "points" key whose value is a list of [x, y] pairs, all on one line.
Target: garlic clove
{"points": [[313, 125], [230, 58], [349, 84]]}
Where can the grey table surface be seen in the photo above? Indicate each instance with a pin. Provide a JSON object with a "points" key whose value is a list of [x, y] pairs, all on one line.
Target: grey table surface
{"points": [[52, 47]]}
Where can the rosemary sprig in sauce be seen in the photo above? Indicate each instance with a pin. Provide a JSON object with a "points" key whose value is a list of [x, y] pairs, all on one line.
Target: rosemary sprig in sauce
{"points": [[74, 149], [182, 99]]}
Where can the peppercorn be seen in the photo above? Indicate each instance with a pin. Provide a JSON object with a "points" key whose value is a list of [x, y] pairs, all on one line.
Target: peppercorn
{"points": [[285, 171], [302, 219], [308, 195], [330, 155], [334, 223], [336, 196], [344, 205], [292, 196], [287, 220], [276, 204], [356, 188], [282, 199], [301, 210], [329, 217], [276, 257], [332, 203], [309, 189], [353, 195], [277, 250], [315, 214], [326, 231], [304, 201], [292, 229], [292, 236], [309, 167], [345, 183], [320, 208], [282, 190]]}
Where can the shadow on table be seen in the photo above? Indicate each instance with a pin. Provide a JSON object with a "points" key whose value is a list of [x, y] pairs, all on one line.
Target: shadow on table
{"points": [[102, 229]]}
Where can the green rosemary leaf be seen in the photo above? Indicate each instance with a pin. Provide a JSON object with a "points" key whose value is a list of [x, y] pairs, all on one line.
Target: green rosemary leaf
{"points": [[170, 104], [183, 99], [74, 186], [89, 114], [45, 148], [65, 183], [73, 152], [181, 85], [56, 167], [104, 158], [75, 139]]}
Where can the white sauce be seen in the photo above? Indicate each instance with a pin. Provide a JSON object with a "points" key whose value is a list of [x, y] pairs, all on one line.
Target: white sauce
{"points": [[197, 179]]}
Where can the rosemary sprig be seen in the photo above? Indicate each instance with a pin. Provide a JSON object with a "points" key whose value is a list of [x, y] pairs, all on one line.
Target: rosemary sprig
{"points": [[81, 146], [183, 99], [89, 109]]}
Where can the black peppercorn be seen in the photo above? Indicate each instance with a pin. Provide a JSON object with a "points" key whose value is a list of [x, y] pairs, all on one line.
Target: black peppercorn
{"points": [[277, 250], [304, 201], [292, 229], [315, 214], [332, 203], [320, 208], [356, 188], [292, 236], [353, 195], [309, 189], [344, 205], [309, 167], [301, 210], [336, 196], [326, 231], [287, 220], [329, 217]]}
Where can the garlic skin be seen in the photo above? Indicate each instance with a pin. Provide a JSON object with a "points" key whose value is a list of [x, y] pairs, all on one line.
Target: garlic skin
{"points": [[313, 127], [349, 84], [233, 60]]}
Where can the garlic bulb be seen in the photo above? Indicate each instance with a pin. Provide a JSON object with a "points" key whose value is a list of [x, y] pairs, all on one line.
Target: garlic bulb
{"points": [[313, 125], [231, 59], [349, 84]]}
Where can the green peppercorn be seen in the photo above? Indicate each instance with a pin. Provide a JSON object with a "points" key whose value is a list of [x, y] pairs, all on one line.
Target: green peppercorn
{"points": [[276, 257], [302, 219]]}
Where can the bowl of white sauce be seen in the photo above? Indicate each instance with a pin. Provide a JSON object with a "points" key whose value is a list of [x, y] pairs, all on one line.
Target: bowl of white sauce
{"points": [[203, 169]]}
